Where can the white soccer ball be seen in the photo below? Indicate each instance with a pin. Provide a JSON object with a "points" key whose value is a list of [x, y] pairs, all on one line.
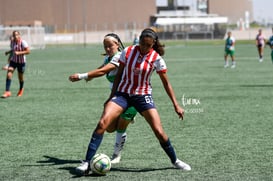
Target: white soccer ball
{"points": [[100, 164]]}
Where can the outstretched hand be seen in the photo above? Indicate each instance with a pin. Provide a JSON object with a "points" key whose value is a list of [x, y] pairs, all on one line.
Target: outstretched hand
{"points": [[179, 111], [74, 78]]}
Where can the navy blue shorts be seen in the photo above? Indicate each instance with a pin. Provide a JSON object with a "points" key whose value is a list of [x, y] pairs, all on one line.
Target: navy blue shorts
{"points": [[260, 45], [140, 102], [20, 66]]}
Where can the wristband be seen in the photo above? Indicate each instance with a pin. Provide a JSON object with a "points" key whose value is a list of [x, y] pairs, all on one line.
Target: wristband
{"points": [[83, 76]]}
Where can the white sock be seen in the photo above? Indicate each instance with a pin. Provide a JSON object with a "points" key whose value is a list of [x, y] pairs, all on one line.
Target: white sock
{"points": [[120, 140]]}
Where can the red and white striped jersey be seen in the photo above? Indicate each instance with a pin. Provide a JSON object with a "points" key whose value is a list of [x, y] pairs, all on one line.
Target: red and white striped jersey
{"points": [[21, 45], [138, 70]]}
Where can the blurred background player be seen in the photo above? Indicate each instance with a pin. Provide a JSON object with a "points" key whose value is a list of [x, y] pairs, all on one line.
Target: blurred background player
{"points": [[19, 50], [136, 40], [260, 42], [270, 43], [229, 50], [113, 46]]}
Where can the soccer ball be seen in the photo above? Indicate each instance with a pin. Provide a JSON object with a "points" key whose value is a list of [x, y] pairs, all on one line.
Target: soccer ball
{"points": [[100, 164]]}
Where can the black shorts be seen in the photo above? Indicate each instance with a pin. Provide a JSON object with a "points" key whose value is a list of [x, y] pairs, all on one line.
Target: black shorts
{"points": [[140, 102], [20, 66]]}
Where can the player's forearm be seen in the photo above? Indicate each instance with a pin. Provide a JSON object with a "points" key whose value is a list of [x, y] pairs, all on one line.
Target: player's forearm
{"points": [[25, 52], [90, 75], [96, 73], [169, 90]]}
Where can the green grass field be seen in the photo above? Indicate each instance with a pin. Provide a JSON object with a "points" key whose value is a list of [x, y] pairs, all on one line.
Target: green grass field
{"points": [[226, 133]]}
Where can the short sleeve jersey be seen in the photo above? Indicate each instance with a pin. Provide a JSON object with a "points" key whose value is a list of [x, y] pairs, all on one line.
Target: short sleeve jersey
{"points": [[18, 46], [260, 39], [138, 70], [113, 60], [271, 41], [230, 42]]}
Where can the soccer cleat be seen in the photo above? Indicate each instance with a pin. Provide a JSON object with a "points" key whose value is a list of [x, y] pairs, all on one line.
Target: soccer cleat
{"points": [[181, 165], [233, 66], [84, 168], [115, 158], [261, 60], [6, 94], [20, 92], [226, 66]]}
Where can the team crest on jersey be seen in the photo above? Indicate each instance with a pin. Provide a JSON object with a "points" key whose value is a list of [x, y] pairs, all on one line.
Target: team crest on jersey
{"points": [[136, 71], [139, 59]]}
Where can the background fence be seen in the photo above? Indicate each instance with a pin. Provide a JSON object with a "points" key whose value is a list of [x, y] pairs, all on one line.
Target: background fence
{"points": [[39, 37]]}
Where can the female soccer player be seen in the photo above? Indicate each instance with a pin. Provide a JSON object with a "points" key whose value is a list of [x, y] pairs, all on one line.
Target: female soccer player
{"points": [[260, 42], [19, 50], [270, 43], [132, 87], [136, 40], [229, 50], [113, 46]]}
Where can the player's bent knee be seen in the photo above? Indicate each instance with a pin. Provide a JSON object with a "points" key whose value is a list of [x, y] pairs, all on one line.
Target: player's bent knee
{"points": [[102, 126]]}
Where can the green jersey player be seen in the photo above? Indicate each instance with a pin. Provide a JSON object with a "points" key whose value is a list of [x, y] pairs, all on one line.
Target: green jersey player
{"points": [[112, 46], [270, 43], [229, 50]]}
